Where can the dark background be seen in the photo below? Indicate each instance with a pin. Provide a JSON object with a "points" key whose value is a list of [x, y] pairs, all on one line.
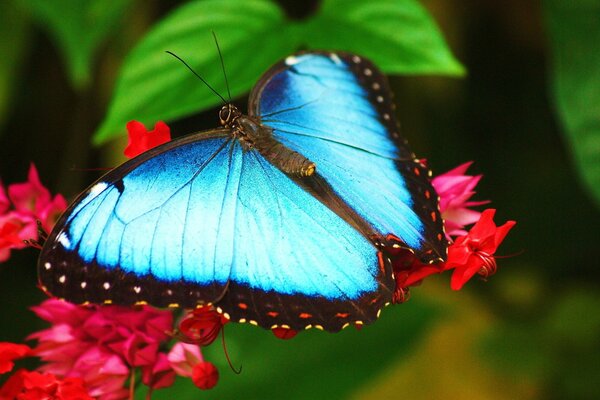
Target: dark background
{"points": [[531, 331]]}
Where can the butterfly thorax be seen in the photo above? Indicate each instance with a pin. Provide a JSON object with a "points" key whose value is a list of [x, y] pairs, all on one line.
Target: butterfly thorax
{"points": [[253, 135]]}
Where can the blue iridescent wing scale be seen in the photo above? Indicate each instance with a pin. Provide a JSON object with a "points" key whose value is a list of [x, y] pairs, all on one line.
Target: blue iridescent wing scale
{"points": [[223, 227], [336, 110], [122, 240]]}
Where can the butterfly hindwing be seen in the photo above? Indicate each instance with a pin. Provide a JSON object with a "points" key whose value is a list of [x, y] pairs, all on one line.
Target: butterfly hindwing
{"points": [[336, 110], [199, 220]]}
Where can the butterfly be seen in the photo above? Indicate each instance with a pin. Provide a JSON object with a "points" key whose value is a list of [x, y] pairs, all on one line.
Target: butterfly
{"points": [[284, 217]]}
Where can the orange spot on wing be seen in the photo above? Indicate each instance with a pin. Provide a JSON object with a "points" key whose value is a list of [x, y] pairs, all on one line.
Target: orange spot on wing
{"points": [[342, 315], [417, 171], [305, 315], [427, 194], [433, 216], [243, 306], [381, 261], [272, 314]]}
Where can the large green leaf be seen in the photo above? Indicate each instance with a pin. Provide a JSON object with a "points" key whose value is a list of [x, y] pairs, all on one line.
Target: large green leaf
{"points": [[314, 364], [154, 86], [78, 28], [575, 36], [400, 36]]}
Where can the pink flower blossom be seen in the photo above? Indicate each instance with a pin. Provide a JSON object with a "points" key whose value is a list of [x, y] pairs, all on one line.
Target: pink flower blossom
{"points": [[100, 344], [455, 189], [31, 197], [26, 203], [14, 230], [183, 357], [140, 139]]}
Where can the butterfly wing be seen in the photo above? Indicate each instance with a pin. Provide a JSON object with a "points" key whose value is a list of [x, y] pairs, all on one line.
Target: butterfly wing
{"points": [[198, 220], [336, 110], [156, 229]]}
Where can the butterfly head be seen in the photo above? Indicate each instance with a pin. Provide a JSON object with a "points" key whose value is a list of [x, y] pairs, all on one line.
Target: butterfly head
{"points": [[228, 114]]}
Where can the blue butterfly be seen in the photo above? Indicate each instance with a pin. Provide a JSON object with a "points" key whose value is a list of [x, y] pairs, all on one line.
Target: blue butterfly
{"points": [[281, 218]]}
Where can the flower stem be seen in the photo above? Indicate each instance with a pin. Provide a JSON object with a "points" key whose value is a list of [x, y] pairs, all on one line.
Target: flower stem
{"points": [[132, 385]]}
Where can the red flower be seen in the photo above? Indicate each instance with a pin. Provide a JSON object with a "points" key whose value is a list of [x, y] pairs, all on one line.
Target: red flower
{"points": [[205, 375], [10, 352], [474, 252], [284, 333], [201, 326], [27, 385], [455, 189], [140, 139], [4, 203], [470, 254]]}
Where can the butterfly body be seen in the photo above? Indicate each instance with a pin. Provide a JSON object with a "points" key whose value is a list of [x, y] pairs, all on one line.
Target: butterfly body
{"points": [[281, 217]]}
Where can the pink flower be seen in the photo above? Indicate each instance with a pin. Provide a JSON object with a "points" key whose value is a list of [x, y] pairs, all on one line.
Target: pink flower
{"points": [[14, 230], [26, 203], [183, 357], [473, 253], [455, 189], [52, 211], [159, 374], [100, 344], [31, 197], [10, 352], [140, 139]]}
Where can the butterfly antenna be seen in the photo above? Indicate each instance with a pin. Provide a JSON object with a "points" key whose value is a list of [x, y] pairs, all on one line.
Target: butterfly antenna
{"points": [[198, 76], [222, 65], [238, 371]]}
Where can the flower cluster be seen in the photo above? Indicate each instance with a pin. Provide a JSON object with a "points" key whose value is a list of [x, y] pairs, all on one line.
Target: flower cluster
{"points": [[94, 352], [21, 206], [470, 252]]}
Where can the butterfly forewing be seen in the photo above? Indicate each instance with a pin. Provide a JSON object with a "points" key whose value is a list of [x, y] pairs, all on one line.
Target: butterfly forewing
{"points": [[336, 110]]}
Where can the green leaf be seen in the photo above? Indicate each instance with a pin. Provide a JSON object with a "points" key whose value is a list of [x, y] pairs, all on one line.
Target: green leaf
{"points": [[78, 28], [154, 86], [400, 36], [575, 34], [312, 365], [14, 35]]}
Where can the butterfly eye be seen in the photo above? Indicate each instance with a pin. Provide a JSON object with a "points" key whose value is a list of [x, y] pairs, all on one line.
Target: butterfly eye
{"points": [[224, 115], [228, 114]]}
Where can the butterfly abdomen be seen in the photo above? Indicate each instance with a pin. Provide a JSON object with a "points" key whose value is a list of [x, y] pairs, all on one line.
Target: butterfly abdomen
{"points": [[253, 135]]}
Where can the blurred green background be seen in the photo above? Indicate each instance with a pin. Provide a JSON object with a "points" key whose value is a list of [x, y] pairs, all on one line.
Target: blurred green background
{"points": [[527, 111]]}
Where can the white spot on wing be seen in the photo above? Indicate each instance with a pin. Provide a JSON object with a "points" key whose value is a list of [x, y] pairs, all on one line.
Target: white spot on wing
{"points": [[47, 265], [334, 57], [291, 60], [98, 188], [64, 240]]}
